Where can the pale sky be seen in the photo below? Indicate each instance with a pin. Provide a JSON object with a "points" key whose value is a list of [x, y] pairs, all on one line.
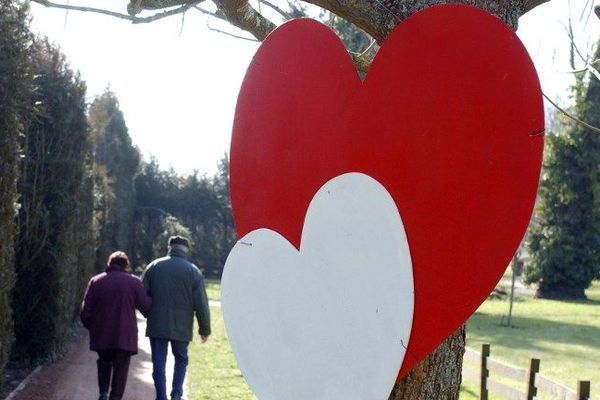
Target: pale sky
{"points": [[178, 87]]}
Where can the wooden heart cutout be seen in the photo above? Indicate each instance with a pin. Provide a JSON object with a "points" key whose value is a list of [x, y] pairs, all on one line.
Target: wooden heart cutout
{"points": [[301, 322], [449, 120]]}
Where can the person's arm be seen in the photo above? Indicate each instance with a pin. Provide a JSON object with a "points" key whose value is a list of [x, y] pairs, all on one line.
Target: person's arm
{"points": [[147, 279], [201, 306], [142, 300], [87, 306]]}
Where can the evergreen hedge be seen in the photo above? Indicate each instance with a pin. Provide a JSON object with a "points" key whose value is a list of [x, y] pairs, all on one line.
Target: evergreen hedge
{"points": [[14, 89], [55, 249]]}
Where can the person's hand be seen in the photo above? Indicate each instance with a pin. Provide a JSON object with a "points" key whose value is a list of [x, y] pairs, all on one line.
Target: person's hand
{"points": [[202, 337]]}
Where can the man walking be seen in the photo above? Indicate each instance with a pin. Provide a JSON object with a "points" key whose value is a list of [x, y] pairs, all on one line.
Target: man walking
{"points": [[176, 287]]}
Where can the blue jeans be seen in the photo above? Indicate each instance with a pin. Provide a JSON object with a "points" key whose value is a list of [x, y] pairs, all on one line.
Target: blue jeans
{"points": [[159, 360]]}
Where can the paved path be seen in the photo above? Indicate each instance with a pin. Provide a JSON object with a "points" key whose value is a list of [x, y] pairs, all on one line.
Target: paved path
{"points": [[74, 376]]}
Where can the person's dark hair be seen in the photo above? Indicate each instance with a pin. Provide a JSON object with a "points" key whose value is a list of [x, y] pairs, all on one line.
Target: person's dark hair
{"points": [[119, 259], [175, 240]]}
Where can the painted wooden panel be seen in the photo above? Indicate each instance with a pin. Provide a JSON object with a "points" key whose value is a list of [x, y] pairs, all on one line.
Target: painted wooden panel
{"points": [[324, 321]]}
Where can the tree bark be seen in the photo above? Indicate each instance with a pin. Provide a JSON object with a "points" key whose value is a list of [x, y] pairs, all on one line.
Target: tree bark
{"points": [[439, 375], [379, 17], [436, 377], [376, 17]]}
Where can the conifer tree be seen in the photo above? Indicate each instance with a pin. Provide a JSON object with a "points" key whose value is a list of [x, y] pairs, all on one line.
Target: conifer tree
{"points": [[116, 165], [564, 239]]}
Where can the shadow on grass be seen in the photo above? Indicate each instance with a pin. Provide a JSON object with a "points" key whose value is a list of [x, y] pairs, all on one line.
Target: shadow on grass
{"points": [[527, 332], [587, 302]]}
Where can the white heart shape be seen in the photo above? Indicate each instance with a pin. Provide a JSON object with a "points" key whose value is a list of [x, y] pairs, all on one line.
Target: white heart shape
{"points": [[331, 321]]}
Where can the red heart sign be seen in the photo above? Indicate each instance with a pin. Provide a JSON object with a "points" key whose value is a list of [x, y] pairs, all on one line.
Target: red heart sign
{"points": [[449, 120]]}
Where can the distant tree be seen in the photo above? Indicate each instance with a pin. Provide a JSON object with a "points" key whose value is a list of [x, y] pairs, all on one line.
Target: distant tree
{"points": [[355, 39], [15, 90], [55, 217], [156, 187], [199, 203], [116, 164], [158, 196], [564, 239], [224, 233]]}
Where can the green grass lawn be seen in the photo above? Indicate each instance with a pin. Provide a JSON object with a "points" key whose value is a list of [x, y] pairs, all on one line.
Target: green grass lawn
{"points": [[213, 290], [212, 371], [564, 335]]}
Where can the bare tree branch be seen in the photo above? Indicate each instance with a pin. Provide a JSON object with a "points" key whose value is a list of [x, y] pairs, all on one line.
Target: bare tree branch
{"points": [[182, 22], [242, 15], [572, 117], [231, 34], [376, 17], [362, 61], [592, 71], [136, 6], [584, 69], [276, 9], [574, 47], [211, 13], [133, 19], [589, 66], [589, 5]]}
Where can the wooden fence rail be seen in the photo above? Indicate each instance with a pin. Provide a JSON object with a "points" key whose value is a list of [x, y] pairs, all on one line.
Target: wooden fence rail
{"points": [[529, 379]]}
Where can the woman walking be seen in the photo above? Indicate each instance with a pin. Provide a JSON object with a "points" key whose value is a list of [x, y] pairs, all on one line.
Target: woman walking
{"points": [[108, 312]]}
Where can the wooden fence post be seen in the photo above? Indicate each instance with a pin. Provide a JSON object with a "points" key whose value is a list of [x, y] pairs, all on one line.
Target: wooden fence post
{"points": [[485, 353], [583, 390], [534, 368]]}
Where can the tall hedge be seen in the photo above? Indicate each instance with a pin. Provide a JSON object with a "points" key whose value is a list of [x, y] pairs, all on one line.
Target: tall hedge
{"points": [[55, 218], [15, 78]]}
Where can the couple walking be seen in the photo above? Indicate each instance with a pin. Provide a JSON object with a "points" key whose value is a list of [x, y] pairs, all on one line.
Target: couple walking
{"points": [[169, 294]]}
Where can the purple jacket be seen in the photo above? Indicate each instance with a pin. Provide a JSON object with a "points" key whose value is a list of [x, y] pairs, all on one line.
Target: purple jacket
{"points": [[108, 309]]}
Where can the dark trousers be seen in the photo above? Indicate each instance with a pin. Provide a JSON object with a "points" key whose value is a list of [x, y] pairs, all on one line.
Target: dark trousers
{"points": [[159, 360], [113, 364]]}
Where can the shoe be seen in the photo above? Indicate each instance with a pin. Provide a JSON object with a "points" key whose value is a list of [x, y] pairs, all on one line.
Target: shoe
{"points": [[103, 396]]}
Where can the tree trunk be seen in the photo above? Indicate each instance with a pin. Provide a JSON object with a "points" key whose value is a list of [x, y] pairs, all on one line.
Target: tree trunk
{"points": [[436, 377], [439, 375]]}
